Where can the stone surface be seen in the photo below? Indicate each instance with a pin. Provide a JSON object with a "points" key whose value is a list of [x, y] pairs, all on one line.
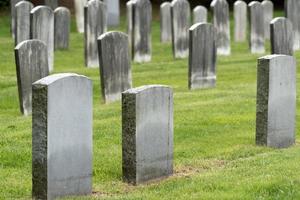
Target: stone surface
{"points": [[13, 3], [113, 11], [79, 14], [95, 20], [62, 20], [62, 136], [292, 8], [220, 10], [115, 67], [165, 22], [268, 8], [199, 14], [282, 36], [202, 56], [240, 21], [53, 4], [129, 19], [181, 20], [31, 65], [256, 25], [147, 133], [42, 28], [276, 101]]}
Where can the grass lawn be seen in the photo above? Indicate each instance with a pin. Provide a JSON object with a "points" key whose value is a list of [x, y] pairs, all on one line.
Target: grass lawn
{"points": [[215, 156]]}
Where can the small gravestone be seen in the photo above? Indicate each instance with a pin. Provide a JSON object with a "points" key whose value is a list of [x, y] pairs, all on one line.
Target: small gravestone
{"points": [[31, 65], [181, 16], [113, 11], [13, 3], [240, 21], [42, 28], [79, 14], [147, 133], [292, 8], [276, 101], [53, 4], [202, 56], [257, 31], [22, 21], [199, 15], [282, 36], [62, 19], [268, 8], [115, 69], [62, 129], [95, 24], [165, 22], [129, 19]]}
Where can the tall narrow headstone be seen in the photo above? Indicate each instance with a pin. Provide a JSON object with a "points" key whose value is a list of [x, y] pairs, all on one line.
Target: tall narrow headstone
{"points": [[268, 8], [62, 129], [147, 133], [62, 19], [276, 101], [13, 3], [113, 11], [53, 4], [165, 22], [129, 19], [292, 8], [240, 21], [79, 14], [199, 15]]}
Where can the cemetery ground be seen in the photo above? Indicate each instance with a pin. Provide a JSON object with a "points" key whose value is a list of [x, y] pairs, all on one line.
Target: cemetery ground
{"points": [[215, 156]]}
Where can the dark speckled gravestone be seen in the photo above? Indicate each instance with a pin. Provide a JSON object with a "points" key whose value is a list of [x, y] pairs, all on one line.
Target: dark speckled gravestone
{"points": [[199, 15], [240, 21], [13, 3], [62, 19], [268, 8], [165, 22], [292, 8]]}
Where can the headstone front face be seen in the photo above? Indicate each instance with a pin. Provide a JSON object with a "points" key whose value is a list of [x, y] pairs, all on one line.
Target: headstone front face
{"points": [[113, 11], [62, 136], [95, 20], [62, 19], [165, 22], [199, 14], [268, 8], [31, 65], [115, 69], [240, 21], [292, 8], [147, 133], [79, 14], [42, 28], [181, 16], [202, 56], [282, 36], [129, 16], [13, 3], [276, 101], [53, 4]]}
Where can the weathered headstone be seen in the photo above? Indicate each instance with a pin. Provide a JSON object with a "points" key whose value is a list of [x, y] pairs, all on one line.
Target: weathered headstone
{"points": [[202, 56], [113, 11], [199, 15], [79, 14], [42, 28], [282, 36], [31, 65], [95, 19], [62, 129], [53, 4], [62, 20], [147, 133], [129, 16], [268, 8], [292, 8], [276, 101], [240, 21], [13, 3], [181, 20], [115, 68], [165, 22]]}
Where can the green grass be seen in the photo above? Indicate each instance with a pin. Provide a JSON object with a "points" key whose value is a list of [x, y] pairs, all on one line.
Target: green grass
{"points": [[215, 156]]}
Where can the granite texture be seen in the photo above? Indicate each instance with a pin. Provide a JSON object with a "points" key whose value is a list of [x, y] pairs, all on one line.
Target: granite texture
{"points": [[292, 8], [268, 8], [199, 15], [240, 21], [79, 14], [165, 22], [62, 20]]}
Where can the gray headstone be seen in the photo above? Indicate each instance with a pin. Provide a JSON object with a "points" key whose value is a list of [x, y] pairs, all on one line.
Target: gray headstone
{"points": [[220, 10], [147, 133], [13, 3], [199, 15], [115, 68], [31, 65], [282, 36], [113, 11], [95, 19], [22, 21], [62, 128], [240, 21], [202, 56], [53, 4], [257, 31], [276, 101], [62, 20], [165, 22], [268, 8], [292, 8], [181, 20], [79, 14], [129, 16], [42, 28]]}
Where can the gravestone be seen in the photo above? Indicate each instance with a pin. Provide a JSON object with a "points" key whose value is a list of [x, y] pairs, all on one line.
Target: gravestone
{"points": [[31, 65], [79, 14], [181, 16], [199, 15], [129, 19], [165, 22], [240, 21], [113, 11], [202, 56], [268, 8], [95, 20], [147, 133], [292, 8], [62, 20], [62, 129], [53, 4], [276, 101], [282, 36], [42, 28], [13, 3], [115, 68]]}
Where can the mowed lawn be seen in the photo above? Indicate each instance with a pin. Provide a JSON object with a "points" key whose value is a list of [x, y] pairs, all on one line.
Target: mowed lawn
{"points": [[215, 156]]}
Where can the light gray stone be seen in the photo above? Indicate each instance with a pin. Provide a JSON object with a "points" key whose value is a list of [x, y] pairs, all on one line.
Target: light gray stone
{"points": [[165, 22], [113, 11], [268, 8], [79, 14], [13, 3], [62, 129], [276, 101], [115, 68], [240, 21], [282, 36], [292, 8], [147, 133], [53, 4], [199, 15], [129, 18], [62, 20], [22, 21]]}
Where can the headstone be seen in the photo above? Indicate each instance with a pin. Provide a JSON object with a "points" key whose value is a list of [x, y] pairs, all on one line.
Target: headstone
{"points": [[292, 8], [62, 136], [95, 20], [31, 65], [53, 4], [165, 22], [276, 101], [240, 21], [282, 36], [202, 56], [79, 14], [268, 8], [220, 10], [62, 20], [129, 16], [115, 69], [42, 28], [181, 16], [147, 133], [199, 15], [257, 31], [113, 11], [13, 3]]}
